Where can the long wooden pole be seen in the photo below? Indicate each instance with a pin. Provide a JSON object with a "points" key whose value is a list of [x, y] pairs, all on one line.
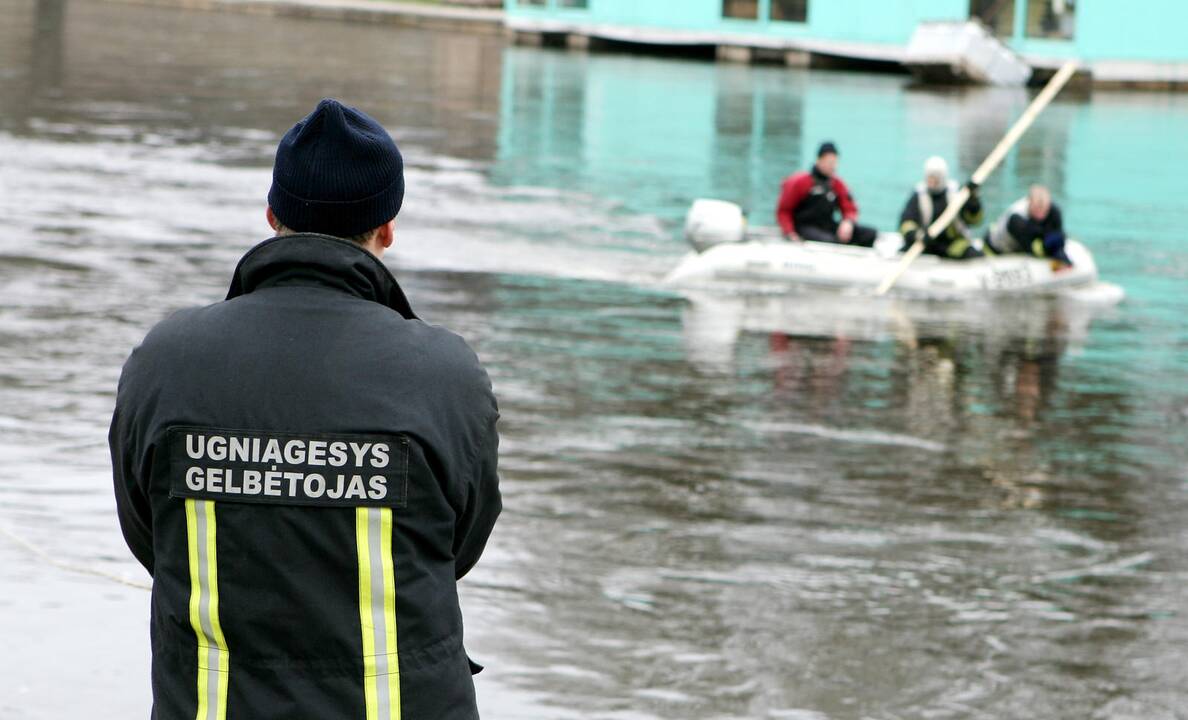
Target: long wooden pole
{"points": [[988, 166]]}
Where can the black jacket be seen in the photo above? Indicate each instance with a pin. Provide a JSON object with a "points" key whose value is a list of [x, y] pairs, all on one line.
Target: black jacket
{"points": [[1026, 230], [820, 206], [914, 216], [306, 469]]}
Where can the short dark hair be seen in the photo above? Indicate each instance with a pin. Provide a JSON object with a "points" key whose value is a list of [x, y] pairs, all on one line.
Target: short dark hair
{"points": [[360, 239]]}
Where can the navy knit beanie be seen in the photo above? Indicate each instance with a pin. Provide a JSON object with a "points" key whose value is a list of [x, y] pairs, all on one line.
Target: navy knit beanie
{"points": [[337, 172]]}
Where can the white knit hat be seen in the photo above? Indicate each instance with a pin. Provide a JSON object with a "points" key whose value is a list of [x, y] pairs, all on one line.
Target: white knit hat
{"points": [[937, 166]]}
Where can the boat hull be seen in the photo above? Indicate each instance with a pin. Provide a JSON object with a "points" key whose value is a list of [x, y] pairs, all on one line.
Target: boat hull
{"points": [[770, 265]]}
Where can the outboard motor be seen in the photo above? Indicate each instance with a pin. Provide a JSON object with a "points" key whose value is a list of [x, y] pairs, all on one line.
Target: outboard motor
{"points": [[714, 222]]}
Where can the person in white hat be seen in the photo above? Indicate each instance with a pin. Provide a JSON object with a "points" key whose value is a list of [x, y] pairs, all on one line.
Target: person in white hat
{"points": [[926, 203]]}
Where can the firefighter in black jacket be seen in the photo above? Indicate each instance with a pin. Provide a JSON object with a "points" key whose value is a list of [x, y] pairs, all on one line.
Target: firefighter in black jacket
{"points": [[928, 202], [306, 468], [1032, 225]]}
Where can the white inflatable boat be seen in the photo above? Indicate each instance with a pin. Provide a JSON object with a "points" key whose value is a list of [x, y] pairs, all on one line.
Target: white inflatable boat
{"points": [[729, 255]]}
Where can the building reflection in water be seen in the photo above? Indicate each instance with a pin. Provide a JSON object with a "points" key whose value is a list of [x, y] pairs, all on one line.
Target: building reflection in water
{"points": [[32, 56], [49, 48], [198, 77]]}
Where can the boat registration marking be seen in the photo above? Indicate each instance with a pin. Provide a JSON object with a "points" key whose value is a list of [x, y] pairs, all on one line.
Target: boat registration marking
{"points": [[1007, 278]]}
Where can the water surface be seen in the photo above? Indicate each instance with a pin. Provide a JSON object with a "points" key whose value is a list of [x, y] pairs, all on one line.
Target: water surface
{"points": [[805, 507]]}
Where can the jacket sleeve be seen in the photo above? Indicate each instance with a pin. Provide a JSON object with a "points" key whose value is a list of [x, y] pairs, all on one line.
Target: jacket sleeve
{"points": [[909, 219], [483, 503], [791, 194], [1027, 233], [132, 503], [971, 211], [1022, 229], [1055, 219], [849, 208]]}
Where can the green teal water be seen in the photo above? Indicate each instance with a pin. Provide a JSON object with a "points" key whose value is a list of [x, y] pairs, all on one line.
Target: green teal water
{"points": [[748, 507]]}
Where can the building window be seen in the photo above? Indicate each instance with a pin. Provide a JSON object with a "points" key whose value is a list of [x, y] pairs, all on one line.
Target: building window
{"points": [[1054, 19], [744, 9], [580, 4], [789, 10], [998, 15]]}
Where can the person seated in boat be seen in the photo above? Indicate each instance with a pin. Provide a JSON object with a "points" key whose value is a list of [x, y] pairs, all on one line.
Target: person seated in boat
{"points": [[810, 203], [928, 201], [1032, 225]]}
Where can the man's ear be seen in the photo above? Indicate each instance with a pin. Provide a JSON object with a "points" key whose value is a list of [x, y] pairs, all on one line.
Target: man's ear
{"points": [[387, 234], [272, 221]]}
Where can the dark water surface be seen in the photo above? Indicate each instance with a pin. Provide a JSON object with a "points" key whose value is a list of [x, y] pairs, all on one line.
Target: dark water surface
{"points": [[795, 507]]}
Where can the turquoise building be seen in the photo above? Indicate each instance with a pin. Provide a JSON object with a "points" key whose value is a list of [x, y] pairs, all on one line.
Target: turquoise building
{"points": [[1116, 41]]}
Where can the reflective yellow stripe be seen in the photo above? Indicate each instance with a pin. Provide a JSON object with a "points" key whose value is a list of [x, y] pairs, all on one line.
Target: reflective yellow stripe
{"points": [[957, 248], [390, 610], [377, 613], [223, 673], [195, 600], [214, 668], [365, 621]]}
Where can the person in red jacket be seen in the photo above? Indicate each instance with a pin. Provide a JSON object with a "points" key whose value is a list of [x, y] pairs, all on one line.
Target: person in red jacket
{"points": [[811, 201]]}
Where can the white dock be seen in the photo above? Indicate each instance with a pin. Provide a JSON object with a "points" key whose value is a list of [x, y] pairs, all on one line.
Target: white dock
{"points": [[963, 52]]}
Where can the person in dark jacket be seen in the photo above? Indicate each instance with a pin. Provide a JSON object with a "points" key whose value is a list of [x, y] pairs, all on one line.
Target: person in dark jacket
{"points": [[1032, 225], [927, 202], [811, 202], [306, 468]]}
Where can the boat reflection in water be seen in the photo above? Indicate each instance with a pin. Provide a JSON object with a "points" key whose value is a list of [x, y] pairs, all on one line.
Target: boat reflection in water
{"points": [[713, 323], [972, 378]]}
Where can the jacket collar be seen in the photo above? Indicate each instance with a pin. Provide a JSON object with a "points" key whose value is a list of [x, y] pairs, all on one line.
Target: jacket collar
{"points": [[319, 260], [947, 190]]}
